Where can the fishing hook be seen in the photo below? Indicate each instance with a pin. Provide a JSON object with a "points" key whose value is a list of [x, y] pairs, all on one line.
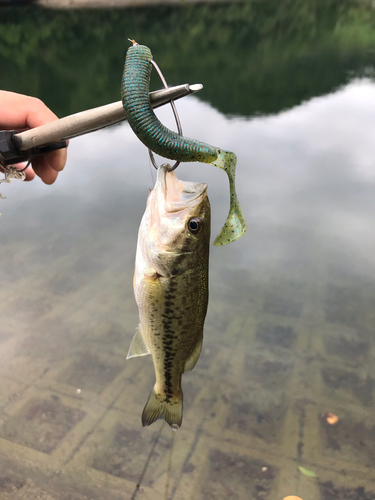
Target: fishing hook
{"points": [[7, 169], [177, 118], [23, 169], [11, 172]]}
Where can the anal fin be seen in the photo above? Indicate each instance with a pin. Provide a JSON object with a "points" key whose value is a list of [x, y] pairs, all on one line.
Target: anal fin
{"points": [[192, 360], [138, 346]]}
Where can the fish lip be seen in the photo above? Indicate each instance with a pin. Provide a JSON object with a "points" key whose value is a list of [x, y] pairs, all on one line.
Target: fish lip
{"points": [[196, 195]]}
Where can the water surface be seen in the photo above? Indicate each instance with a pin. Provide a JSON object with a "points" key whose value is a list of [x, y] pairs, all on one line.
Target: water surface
{"points": [[289, 333]]}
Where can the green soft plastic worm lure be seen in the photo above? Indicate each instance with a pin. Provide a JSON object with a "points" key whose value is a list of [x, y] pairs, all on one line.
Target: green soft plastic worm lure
{"points": [[169, 144]]}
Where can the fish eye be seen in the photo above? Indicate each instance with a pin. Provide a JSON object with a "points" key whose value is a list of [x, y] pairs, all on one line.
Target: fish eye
{"points": [[195, 225]]}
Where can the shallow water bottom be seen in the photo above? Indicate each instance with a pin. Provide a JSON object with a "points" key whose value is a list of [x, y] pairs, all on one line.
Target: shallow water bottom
{"points": [[286, 341]]}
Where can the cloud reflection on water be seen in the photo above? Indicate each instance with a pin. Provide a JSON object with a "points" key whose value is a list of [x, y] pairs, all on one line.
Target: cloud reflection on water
{"points": [[309, 170]]}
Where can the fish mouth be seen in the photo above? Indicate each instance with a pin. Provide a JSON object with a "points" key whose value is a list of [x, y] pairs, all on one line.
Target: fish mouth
{"points": [[176, 195]]}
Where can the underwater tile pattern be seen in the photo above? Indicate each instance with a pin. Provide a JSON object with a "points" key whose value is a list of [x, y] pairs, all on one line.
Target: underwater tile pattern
{"points": [[41, 424], [255, 405]]}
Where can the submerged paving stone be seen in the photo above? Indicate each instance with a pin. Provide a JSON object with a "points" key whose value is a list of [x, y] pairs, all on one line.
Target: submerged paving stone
{"points": [[10, 481], [41, 424], [349, 440], [192, 386], [282, 306], [270, 374], [263, 420], [347, 347], [236, 477], [343, 305], [32, 492], [360, 387], [210, 350], [278, 335], [114, 335], [91, 372], [331, 492], [124, 451], [33, 308]]}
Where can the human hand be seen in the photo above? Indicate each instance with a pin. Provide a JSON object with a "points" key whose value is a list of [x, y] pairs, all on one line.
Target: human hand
{"points": [[21, 112]]}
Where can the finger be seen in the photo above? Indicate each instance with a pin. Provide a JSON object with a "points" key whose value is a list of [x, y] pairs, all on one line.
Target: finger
{"points": [[56, 159], [48, 165], [30, 174], [43, 169], [23, 112]]}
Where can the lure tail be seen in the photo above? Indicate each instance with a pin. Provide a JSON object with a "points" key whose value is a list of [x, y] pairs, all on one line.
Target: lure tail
{"points": [[235, 225], [158, 407]]}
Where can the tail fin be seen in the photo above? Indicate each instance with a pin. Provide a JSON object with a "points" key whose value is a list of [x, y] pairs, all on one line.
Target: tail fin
{"points": [[159, 407]]}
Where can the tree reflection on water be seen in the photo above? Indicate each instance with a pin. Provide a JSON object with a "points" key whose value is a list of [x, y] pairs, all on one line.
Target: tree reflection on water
{"points": [[253, 58]]}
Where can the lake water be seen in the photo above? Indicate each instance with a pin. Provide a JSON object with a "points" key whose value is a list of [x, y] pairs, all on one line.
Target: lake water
{"points": [[289, 334]]}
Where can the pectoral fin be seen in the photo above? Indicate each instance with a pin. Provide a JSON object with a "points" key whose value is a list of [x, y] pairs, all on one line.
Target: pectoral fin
{"points": [[138, 346], [192, 360]]}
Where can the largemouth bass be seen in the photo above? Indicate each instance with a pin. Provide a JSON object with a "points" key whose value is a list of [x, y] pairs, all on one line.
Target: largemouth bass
{"points": [[171, 288]]}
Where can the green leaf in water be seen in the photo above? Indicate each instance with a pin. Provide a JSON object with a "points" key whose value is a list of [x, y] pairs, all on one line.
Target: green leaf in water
{"points": [[306, 472]]}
